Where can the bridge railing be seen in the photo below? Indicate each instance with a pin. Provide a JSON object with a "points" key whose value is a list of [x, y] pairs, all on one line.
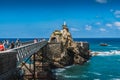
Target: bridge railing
{"points": [[26, 51], [27, 42]]}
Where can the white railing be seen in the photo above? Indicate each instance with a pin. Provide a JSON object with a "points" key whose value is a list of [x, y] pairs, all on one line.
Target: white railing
{"points": [[26, 51]]}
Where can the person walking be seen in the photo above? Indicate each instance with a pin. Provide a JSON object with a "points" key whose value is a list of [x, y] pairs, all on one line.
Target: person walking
{"points": [[17, 43], [12, 45], [1, 47]]}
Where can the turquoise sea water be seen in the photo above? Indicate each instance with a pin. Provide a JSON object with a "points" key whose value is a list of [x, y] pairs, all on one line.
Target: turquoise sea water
{"points": [[105, 66]]}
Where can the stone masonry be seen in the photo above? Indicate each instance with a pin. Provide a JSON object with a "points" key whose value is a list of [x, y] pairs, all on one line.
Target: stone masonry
{"points": [[7, 65]]}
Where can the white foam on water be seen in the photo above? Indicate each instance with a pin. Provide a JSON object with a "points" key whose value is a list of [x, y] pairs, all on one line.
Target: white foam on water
{"points": [[58, 74], [60, 70], [69, 66], [96, 79], [105, 53], [68, 76], [115, 79], [96, 73]]}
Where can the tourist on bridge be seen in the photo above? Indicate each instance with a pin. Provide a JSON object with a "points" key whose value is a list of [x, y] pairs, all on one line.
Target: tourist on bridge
{"points": [[12, 45], [35, 40], [17, 43], [1, 46], [6, 44]]}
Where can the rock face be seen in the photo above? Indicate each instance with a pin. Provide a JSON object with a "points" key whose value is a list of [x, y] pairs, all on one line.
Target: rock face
{"points": [[63, 51]]}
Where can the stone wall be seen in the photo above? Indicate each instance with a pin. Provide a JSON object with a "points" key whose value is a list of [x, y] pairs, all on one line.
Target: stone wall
{"points": [[54, 54], [85, 45], [84, 49], [61, 56], [7, 65], [54, 50]]}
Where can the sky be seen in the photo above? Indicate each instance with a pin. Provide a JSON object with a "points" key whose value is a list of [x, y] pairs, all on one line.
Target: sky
{"points": [[39, 18]]}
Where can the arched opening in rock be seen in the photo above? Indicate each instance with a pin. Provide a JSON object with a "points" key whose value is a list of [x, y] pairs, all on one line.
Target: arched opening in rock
{"points": [[54, 40]]}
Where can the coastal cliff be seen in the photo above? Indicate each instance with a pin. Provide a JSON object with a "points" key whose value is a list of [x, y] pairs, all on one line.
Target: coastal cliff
{"points": [[63, 51]]}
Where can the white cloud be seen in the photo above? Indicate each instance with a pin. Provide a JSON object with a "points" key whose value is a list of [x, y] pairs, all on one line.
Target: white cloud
{"points": [[98, 23], [101, 1], [102, 29], [117, 24], [117, 13], [74, 29], [88, 27], [109, 25]]}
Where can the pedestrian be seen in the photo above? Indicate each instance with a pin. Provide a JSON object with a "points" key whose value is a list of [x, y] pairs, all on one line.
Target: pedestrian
{"points": [[8, 44], [17, 43], [35, 40], [1, 47], [12, 45], [5, 44]]}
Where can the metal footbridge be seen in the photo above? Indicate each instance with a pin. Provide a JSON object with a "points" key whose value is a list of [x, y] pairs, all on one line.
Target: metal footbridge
{"points": [[19, 57], [25, 51]]}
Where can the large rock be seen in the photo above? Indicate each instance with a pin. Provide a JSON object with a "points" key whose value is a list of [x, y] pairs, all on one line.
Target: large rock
{"points": [[63, 51]]}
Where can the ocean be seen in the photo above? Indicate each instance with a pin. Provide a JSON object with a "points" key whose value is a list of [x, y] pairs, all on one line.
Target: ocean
{"points": [[105, 66]]}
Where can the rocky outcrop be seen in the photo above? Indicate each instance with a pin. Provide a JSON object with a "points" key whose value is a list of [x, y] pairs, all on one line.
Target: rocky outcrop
{"points": [[63, 51]]}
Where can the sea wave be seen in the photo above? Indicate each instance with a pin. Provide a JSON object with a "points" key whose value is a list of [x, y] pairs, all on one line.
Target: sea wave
{"points": [[57, 74], [96, 79], [59, 70], [115, 79], [70, 76], [95, 73], [69, 66], [105, 53]]}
